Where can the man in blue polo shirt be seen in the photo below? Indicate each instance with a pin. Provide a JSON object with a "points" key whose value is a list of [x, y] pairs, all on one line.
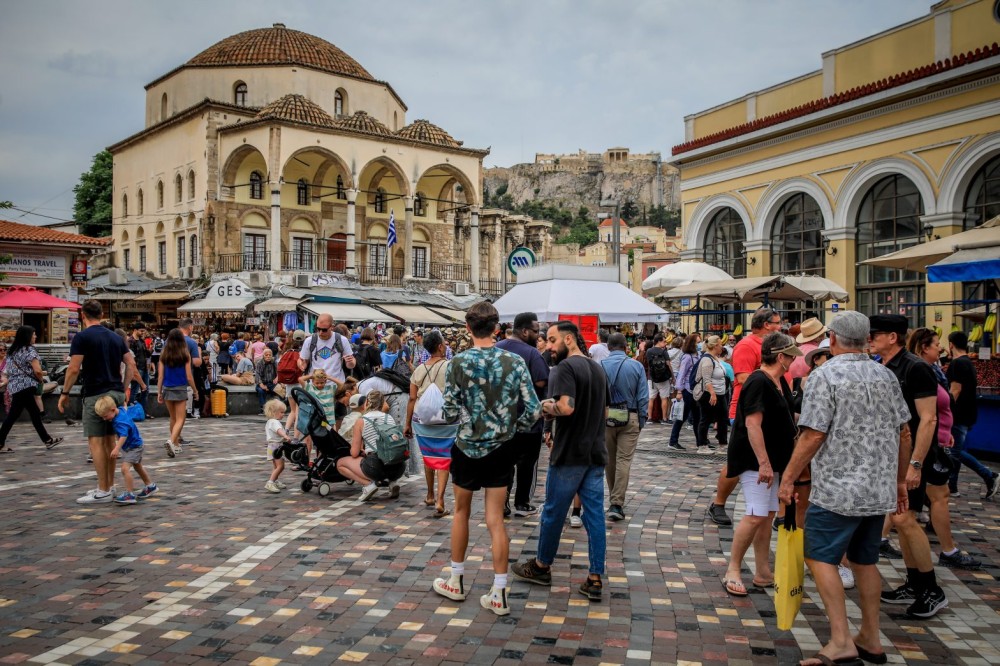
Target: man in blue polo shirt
{"points": [[630, 392]]}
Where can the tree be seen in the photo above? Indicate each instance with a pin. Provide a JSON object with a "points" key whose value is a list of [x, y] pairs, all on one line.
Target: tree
{"points": [[629, 211], [664, 218], [582, 229], [92, 209]]}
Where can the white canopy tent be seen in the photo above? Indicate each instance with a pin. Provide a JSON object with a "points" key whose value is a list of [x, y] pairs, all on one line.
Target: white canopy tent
{"points": [[681, 273], [551, 290]]}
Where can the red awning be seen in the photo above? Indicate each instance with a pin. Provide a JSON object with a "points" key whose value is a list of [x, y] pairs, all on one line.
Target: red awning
{"points": [[29, 298]]}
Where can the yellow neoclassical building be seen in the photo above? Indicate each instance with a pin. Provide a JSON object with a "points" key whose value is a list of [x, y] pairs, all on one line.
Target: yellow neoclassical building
{"points": [[894, 140], [274, 152]]}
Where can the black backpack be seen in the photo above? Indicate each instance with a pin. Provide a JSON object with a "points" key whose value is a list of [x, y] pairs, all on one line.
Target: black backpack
{"points": [[693, 373], [659, 367]]}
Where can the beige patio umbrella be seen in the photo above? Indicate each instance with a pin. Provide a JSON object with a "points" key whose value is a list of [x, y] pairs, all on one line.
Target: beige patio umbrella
{"points": [[814, 287], [919, 257]]}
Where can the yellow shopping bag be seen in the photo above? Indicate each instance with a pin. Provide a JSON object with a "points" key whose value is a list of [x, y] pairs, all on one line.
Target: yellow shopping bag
{"points": [[789, 572]]}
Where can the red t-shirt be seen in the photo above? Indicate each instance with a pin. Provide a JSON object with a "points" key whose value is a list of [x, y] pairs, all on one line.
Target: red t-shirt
{"points": [[746, 359]]}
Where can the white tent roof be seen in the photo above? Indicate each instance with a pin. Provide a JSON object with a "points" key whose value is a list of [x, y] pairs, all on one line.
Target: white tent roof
{"points": [[681, 273], [610, 301]]}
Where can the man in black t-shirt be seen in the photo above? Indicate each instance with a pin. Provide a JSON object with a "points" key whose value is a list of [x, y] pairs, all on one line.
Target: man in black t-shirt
{"points": [[104, 352], [916, 377], [578, 400], [137, 345], [962, 382], [660, 376]]}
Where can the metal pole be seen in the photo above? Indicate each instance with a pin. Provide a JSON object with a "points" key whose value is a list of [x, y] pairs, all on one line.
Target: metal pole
{"points": [[616, 235]]}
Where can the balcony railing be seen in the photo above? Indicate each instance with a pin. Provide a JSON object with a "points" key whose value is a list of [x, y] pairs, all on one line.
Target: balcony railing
{"points": [[244, 261], [493, 287], [449, 272], [380, 275], [313, 261]]}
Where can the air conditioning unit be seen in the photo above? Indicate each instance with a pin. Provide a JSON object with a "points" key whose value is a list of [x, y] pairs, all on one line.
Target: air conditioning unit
{"points": [[258, 280], [116, 276], [461, 289], [302, 280]]}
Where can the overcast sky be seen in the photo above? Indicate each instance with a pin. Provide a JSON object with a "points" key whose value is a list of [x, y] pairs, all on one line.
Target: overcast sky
{"points": [[520, 76]]}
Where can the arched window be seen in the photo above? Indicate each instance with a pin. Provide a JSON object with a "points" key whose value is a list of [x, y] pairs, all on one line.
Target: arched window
{"points": [[191, 184], [724, 243], [178, 189], [889, 220], [194, 250], [240, 94], [163, 107], [380, 200], [124, 205], [256, 185], [159, 194], [339, 105], [797, 241], [302, 192], [418, 205], [341, 193], [139, 202], [982, 201]]}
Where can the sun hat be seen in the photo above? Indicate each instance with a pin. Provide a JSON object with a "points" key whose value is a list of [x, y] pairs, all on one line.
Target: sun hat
{"points": [[810, 330]]}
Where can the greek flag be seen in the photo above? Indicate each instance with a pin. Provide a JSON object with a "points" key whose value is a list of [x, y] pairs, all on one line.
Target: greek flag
{"points": [[391, 239]]}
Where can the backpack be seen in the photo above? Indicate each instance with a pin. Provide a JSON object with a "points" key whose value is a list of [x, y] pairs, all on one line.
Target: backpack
{"points": [[363, 367], [402, 366], [391, 446], [288, 367], [397, 380], [157, 345], [338, 344], [692, 378], [659, 367], [236, 348]]}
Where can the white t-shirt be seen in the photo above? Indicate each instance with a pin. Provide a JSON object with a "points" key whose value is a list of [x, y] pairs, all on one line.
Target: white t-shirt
{"points": [[599, 352], [271, 429], [327, 358], [347, 425]]}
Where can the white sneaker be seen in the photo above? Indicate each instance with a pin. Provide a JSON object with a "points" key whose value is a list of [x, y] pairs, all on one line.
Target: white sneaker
{"points": [[453, 587], [280, 485], [96, 496], [368, 491], [846, 576], [495, 601], [575, 521], [272, 487], [197, 414], [169, 446]]}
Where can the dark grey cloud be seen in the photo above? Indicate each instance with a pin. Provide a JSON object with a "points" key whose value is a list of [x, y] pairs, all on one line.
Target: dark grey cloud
{"points": [[522, 76]]}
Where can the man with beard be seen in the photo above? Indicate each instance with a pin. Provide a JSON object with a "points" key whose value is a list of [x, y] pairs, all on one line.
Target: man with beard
{"points": [[578, 399]]}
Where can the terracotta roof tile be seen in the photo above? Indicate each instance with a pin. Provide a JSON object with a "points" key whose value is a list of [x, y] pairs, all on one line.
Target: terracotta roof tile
{"points": [[297, 108], [362, 122], [428, 132], [278, 45], [14, 231]]}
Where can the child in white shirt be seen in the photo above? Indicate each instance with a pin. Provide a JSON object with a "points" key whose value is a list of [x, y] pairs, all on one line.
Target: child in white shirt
{"points": [[275, 434]]}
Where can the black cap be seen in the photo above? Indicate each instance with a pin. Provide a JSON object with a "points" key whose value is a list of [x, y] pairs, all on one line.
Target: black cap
{"points": [[888, 323]]}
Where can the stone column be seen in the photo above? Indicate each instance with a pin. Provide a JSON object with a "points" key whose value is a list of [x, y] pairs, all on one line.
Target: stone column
{"points": [[275, 226], [474, 248], [408, 241], [352, 196]]}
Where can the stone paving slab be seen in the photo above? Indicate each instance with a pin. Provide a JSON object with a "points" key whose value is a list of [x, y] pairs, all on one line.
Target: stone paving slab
{"points": [[213, 569]]}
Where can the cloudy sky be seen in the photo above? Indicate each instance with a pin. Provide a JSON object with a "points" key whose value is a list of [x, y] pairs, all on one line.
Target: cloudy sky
{"points": [[521, 76]]}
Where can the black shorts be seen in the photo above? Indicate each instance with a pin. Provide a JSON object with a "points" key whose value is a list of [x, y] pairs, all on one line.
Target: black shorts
{"points": [[936, 471], [376, 470], [494, 470]]}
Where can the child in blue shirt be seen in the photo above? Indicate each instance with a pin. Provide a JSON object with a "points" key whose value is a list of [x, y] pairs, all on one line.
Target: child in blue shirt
{"points": [[128, 447]]}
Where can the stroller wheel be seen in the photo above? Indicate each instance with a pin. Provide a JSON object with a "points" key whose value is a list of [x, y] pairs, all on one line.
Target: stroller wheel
{"points": [[349, 482], [324, 489], [298, 455], [306, 485]]}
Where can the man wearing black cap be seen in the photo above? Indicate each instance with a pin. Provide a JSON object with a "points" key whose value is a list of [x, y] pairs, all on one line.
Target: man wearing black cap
{"points": [[927, 464]]}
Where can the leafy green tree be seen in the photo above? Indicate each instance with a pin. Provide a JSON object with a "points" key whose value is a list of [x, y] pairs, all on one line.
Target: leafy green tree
{"points": [[582, 229], [629, 211], [661, 216], [92, 209]]}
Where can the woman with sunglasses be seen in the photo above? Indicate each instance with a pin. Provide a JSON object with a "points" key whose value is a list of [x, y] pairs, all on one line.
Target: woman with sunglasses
{"points": [[24, 371]]}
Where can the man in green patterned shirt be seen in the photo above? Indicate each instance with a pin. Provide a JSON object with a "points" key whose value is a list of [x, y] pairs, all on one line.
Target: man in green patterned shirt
{"points": [[482, 390]]}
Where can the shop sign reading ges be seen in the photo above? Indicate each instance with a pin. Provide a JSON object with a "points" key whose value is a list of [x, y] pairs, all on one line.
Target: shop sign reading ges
{"points": [[231, 288]]}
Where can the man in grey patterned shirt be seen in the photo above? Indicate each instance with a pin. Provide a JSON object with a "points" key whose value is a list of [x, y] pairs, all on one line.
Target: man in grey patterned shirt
{"points": [[852, 410]]}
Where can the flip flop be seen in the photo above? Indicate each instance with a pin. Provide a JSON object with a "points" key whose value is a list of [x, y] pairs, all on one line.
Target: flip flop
{"points": [[441, 513], [763, 586], [871, 657], [53, 442], [428, 502], [843, 661], [734, 587]]}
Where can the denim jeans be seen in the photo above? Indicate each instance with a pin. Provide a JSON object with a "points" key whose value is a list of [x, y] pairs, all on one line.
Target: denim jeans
{"points": [[263, 395], [563, 482], [960, 432], [137, 395], [691, 412]]}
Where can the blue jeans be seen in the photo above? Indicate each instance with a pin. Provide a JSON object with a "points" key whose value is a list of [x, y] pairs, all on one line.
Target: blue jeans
{"points": [[562, 483], [136, 395], [691, 411], [960, 432], [263, 395]]}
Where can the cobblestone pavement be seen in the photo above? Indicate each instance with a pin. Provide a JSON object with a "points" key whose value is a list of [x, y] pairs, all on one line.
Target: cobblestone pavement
{"points": [[214, 569]]}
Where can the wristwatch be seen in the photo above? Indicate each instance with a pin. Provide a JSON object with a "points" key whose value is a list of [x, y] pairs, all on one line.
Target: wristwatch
{"points": [[916, 464]]}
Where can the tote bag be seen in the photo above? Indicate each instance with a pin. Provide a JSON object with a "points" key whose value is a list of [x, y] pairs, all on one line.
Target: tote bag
{"points": [[789, 571]]}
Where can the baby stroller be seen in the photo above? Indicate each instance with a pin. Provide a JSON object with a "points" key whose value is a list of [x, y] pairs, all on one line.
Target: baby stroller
{"points": [[329, 444]]}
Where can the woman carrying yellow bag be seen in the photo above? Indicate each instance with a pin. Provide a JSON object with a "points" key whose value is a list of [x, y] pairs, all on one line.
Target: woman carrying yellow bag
{"points": [[789, 570]]}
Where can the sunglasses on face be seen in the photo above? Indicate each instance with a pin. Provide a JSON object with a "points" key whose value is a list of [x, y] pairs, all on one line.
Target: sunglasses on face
{"points": [[322, 330]]}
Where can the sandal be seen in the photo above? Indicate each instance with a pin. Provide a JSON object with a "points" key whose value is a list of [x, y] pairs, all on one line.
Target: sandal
{"points": [[441, 512], [763, 585], [6, 449], [871, 657], [429, 502], [734, 587], [843, 661], [53, 442]]}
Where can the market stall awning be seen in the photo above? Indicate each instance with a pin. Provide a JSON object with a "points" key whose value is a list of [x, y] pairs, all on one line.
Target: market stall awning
{"points": [[29, 298], [682, 273], [278, 304], [349, 312], [162, 296], [414, 314], [218, 304], [610, 301], [723, 291], [922, 255], [455, 315], [968, 264], [808, 288]]}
